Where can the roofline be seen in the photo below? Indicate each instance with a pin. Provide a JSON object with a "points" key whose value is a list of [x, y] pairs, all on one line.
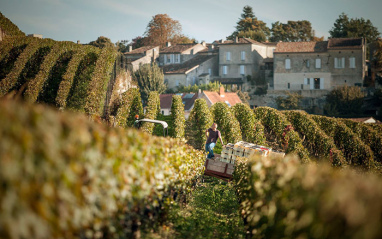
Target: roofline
{"points": [[207, 96]]}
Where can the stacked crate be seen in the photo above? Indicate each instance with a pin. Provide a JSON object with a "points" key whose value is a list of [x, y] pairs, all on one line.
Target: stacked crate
{"points": [[231, 152]]}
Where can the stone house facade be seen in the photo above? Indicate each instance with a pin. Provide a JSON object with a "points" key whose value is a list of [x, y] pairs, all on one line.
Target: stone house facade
{"points": [[180, 53], [143, 55], [241, 58], [197, 70]]}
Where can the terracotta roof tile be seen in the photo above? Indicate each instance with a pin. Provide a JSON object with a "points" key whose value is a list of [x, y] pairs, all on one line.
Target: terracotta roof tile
{"points": [[230, 97], [345, 43], [140, 50], [165, 101], [179, 48], [290, 47], [184, 67]]}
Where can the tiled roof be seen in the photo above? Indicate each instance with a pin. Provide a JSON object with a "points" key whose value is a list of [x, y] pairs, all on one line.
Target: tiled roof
{"points": [[231, 98], [345, 43], [140, 50], [184, 67], [189, 102], [290, 47], [165, 101], [229, 80], [179, 48], [363, 119], [242, 40]]}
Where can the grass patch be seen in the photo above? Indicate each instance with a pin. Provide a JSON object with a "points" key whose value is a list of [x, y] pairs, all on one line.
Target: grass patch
{"points": [[211, 211]]}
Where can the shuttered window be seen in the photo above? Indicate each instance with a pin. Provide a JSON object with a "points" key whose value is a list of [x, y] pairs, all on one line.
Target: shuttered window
{"points": [[318, 63], [287, 63], [352, 62]]}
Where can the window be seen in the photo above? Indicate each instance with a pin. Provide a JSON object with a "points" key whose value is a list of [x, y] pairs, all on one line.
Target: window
{"points": [[162, 112], [225, 70], [318, 83], [177, 58], [318, 63], [228, 56], [306, 81], [168, 59], [177, 83], [339, 62], [287, 63], [288, 85], [243, 55], [209, 71], [352, 62], [242, 70], [307, 63]]}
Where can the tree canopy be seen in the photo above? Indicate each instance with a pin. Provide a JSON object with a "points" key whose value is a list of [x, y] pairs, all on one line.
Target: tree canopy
{"points": [[149, 78], [162, 29], [249, 26], [292, 31], [102, 42], [345, 27], [344, 101]]}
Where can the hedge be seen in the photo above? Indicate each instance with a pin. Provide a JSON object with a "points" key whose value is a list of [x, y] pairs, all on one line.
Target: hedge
{"points": [[227, 124], [152, 111], [199, 120], [368, 135], [68, 78], [9, 27], [63, 176], [251, 128], [96, 94], [279, 125], [321, 146], [35, 85], [281, 198], [76, 100], [355, 151], [177, 117], [126, 106], [12, 78]]}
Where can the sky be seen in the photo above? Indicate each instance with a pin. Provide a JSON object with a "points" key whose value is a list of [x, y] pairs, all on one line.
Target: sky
{"points": [[204, 20]]}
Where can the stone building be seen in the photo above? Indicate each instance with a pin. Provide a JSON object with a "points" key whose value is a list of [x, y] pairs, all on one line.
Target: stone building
{"points": [[143, 55]]}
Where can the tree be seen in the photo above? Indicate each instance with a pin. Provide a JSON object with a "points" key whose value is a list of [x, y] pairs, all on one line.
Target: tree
{"points": [[344, 101], [137, 42], [249, 26], [345, 27], [102, 42], [292, 31], [122, 46], [162, 29], [149, 78], [291, 102]]}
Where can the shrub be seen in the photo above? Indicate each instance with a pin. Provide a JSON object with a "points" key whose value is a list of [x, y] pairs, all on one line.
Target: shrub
{"points": [[278, 124], [227, 123], [96, 93], [368, 135], [13, 77], [345, 100], [355, 151], [320, 145], [129, 105], [200, 119], [177, 117], [63, 176], [70, 74], [76, 99], [291, 102], [35, 85], [149, 78], [251, 129], [152, 111], [281, 198]]}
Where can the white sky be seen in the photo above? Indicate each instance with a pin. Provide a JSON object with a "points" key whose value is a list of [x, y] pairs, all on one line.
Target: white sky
{"points": [[208, 20]]}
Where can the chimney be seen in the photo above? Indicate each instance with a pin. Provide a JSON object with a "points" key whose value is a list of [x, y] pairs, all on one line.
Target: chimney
{"points": [[236, 39], [130, 48], [168, 44], [78, 42], [221, 41], [211, 47], [221, 91], [204, 43]]}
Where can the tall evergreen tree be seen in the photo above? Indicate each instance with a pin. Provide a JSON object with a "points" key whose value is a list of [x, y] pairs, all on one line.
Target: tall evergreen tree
{"points": [[345, 27], [249, 26]]}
